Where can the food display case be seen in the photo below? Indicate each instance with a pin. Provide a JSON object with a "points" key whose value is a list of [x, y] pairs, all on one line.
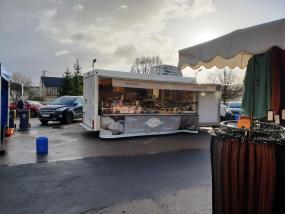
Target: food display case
{"points": [[143, 111]]}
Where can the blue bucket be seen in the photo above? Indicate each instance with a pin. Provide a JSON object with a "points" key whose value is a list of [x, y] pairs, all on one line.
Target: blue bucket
{"points": [[42, 145]]}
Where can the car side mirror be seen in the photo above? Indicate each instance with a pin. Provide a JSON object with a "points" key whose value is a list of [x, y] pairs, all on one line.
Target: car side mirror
{"points": [[74, 104]]}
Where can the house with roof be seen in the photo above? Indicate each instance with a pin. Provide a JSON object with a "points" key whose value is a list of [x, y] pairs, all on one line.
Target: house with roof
{"points": [[18, 91], [49, 87]]}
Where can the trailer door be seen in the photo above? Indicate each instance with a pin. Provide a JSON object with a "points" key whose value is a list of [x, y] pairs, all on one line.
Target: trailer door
{"points": [[88, 100], [209, 108]]}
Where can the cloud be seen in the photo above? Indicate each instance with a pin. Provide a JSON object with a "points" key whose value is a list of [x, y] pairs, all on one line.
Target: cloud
{"points": [[124, 6], [195, 8], [61, 52], [202, 7], [114, 36], [77, 36], [78, 7], [125, 50]]}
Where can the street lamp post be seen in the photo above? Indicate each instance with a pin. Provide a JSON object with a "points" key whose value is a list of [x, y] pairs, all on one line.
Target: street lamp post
{"points": [[196, 73], [93, 62]]}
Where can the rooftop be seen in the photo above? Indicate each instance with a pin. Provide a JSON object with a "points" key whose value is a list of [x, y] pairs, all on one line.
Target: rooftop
{"points": [[53, 82], [146, 77]]}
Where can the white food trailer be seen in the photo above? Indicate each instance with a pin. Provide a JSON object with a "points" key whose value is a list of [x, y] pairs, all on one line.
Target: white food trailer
{"points": [[123, 104]]}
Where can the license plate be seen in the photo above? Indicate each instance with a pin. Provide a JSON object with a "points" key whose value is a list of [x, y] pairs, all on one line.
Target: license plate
{"points": [[45, 115]]}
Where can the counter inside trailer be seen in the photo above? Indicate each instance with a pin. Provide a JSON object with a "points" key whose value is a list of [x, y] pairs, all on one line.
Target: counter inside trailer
{"points": [[147, 124]]}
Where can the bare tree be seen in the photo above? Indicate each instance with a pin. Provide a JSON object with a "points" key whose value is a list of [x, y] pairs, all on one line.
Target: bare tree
{"points": [[230, 81], [144, 64], [21, 79], [18, 80]]}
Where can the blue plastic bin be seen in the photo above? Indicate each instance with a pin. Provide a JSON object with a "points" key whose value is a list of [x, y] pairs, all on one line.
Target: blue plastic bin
{"points": [[42, 145]]}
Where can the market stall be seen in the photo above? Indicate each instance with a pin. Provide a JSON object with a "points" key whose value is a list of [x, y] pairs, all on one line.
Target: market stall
{"points": [[248, 161], [123, 104], [4, 87]]}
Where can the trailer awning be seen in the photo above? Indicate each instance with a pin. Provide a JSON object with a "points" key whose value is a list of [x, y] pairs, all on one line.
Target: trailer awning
{"points": [[236, 48], [165, 86]]}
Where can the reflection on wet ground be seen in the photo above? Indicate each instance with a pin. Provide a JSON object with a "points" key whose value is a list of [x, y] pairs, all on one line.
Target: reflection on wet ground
{"points": [[73, 142]]}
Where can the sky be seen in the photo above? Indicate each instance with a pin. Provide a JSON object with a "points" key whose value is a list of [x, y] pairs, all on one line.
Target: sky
{"points": [[50, 35]]}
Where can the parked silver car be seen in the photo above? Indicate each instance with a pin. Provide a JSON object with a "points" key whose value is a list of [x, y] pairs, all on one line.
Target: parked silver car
{"points": [[234, 107]]}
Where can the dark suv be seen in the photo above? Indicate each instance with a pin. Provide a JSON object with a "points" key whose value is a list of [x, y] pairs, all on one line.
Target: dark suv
{"points": [[64, 109]]}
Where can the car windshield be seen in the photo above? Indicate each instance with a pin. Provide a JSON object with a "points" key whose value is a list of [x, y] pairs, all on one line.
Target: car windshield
{"points": [[234, 105], [63, 101]]}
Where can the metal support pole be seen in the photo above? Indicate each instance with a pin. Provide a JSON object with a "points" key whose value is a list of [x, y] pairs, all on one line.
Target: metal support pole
{"points": [[252, 99], [2, 150], [0, 103], [22, 91]]}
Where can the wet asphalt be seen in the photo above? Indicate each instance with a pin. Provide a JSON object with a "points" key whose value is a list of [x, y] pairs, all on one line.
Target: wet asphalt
{"points": [[93, 184], [108, 174], [68, 142]]}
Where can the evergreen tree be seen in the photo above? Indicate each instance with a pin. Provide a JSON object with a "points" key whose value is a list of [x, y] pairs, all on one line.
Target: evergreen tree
{"points": [[67, 84], [77, 79]]}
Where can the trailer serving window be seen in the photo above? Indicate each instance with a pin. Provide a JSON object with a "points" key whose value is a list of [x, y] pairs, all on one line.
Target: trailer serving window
{"points": [[126, 100], [132, 108]]}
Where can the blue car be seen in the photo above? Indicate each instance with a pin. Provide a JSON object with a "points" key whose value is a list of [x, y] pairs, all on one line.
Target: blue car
{"points": [[234, 109], [64, 109]]}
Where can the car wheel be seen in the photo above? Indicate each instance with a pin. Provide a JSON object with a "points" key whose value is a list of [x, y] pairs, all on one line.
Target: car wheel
{"points": [[69, 118], [44, 122]]}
